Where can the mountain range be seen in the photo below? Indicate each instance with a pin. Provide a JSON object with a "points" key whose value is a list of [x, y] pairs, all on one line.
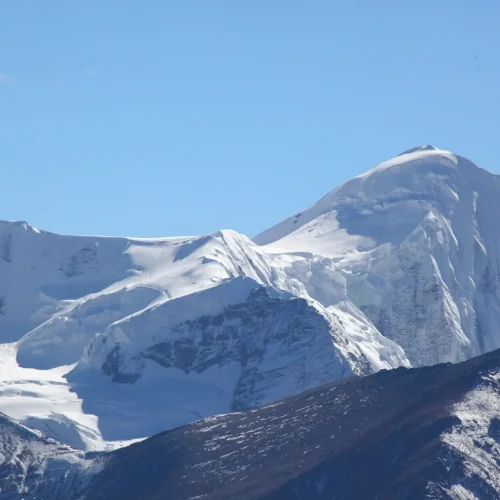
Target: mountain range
{"points": [[106, 341]]}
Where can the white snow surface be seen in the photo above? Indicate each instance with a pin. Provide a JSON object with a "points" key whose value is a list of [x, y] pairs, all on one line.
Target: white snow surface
{"points": [[108, 340]]}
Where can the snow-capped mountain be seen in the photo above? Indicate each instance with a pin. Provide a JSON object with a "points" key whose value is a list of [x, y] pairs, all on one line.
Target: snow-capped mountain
{"points": [[419, 244], [108, 340], [127, 337], [430, 432]]}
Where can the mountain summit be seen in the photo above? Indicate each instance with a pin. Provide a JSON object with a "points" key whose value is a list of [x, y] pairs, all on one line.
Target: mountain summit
{"points": [[108, 340], [425, 147], [416, 181]]}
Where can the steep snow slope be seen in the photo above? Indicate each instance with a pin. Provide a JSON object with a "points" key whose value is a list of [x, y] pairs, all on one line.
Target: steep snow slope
{"points": [[188, 327], [431, 432], [419, 246]]}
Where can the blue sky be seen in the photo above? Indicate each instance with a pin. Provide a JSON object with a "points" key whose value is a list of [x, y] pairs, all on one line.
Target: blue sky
{"points": [[164, 118]]}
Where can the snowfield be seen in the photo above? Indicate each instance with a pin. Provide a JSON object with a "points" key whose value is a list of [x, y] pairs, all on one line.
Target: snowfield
{"points": [[106, 341]]}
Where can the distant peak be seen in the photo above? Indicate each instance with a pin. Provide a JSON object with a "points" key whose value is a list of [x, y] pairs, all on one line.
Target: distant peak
{"points": [[425, 147], [21, 224]]}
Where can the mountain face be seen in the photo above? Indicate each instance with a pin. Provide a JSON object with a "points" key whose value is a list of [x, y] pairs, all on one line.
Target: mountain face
{"points": [[109, 340], [430, 432]]}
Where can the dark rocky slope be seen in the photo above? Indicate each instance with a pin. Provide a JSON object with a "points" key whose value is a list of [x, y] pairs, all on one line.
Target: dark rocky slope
{"points": [[408, 434]]}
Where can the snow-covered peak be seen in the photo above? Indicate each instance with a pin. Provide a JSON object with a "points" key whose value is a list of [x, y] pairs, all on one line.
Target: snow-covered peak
{"points": [[414, 159], [398, 192], [19, 225], [425, 147], [419, 239]]}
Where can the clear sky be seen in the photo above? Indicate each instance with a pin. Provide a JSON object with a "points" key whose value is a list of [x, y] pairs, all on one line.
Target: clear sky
{"points": [[162, 118]]}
